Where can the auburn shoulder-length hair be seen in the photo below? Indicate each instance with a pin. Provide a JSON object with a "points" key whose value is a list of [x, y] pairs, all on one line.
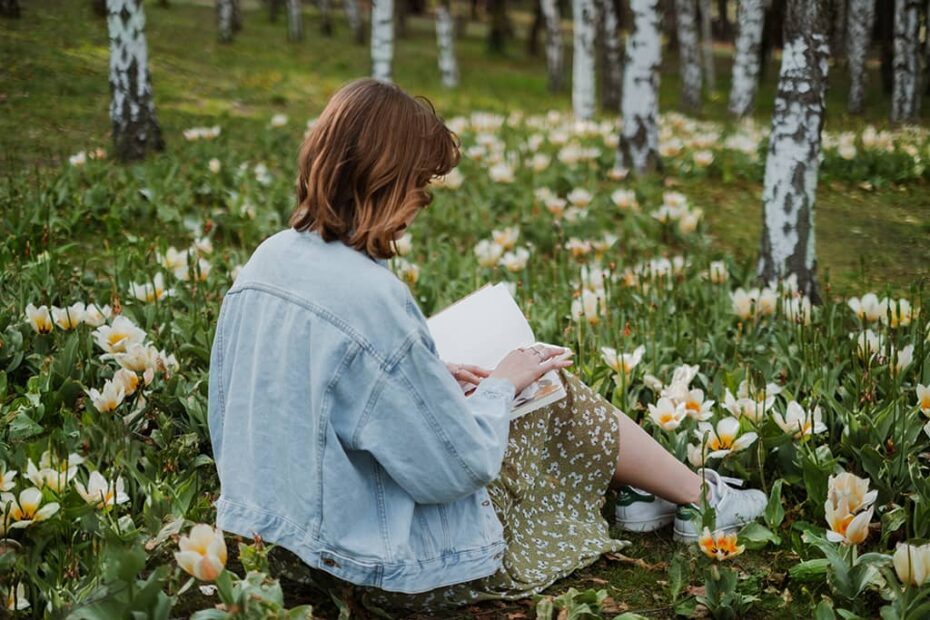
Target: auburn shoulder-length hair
{"points": [[364, 166]]}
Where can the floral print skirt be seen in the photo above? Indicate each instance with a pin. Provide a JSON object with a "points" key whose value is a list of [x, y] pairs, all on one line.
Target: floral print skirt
{"points": [[557, 467]]}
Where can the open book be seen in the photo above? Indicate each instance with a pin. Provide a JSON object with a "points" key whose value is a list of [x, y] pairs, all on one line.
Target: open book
{"points": [[481, 329]]}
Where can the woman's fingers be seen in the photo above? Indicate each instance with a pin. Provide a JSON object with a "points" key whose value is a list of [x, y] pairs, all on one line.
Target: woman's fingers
{"points": [[469, 376], [477, 370]]}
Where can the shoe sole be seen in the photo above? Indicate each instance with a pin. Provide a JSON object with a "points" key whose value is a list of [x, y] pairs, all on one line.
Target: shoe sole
{"points": [[680, 536], [646, 525]]}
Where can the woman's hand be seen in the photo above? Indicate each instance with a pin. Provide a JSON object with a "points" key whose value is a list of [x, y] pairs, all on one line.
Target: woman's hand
{"points": [[525, 365], [467, 375]]}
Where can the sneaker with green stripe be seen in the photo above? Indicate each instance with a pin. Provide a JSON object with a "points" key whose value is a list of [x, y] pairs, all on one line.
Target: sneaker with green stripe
{"points": [[641, 511]]}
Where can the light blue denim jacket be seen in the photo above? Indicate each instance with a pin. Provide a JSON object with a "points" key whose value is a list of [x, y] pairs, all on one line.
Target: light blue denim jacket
{"points": [[337, 431]]}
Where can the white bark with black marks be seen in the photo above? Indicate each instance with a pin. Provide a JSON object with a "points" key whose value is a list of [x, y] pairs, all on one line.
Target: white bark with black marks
{"points": [[745, 83], [554, 52], [448, 67], [132, 106], [689, 54], [583, 58], [793, 160], [382, 38], [295, 24], [611, 66], [904, 98], [354, 17], [860, 19], [639, 138], [224, 20], [707, 45]]}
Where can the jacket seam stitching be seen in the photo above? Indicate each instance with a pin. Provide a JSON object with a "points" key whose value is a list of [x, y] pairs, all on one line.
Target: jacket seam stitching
{"points": [[323, 313], [218, 336], [382, 514], [350, 352]]}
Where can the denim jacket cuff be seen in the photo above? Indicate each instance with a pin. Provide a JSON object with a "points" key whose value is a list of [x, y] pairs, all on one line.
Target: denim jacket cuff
{"points": [[498, 387]]}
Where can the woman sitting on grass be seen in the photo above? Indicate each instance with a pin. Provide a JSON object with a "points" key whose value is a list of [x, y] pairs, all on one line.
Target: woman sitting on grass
{"points": [[341, 437]]}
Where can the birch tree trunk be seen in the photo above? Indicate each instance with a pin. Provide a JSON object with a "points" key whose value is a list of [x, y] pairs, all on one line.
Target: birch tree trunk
{"points": [[295, 26], [689, 54], [354, 17], [382, 38], [611, 69], [750, 18], [132, 107], [224, 20], [860, 21], [583, 58], [326, 17], [707, 45], [793, 160], [554, 51], [639, 138], [448, 68], [906, 46]]}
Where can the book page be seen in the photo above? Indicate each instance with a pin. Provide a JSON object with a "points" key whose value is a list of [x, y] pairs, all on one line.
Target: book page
{"points": [[481, 328]]}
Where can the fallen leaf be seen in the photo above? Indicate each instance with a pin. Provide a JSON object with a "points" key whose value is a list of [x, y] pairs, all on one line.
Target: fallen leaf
{"points": [[638, 562]]}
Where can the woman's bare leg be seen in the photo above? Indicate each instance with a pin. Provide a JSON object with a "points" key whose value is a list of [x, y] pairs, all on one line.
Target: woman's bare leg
{"points": [[644, 463]]}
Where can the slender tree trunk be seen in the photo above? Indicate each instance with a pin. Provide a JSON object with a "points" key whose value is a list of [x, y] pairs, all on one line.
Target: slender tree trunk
{"points": [[773, 31], [793, 160], [927, 51], [839, 33], [132, 107], [668, 19], [448, 68], [326, 17], [885, 17], [224, 20], [689, 55], [10, 8], [461, 20], [707, 45], [295, 26], [750, 17], [611, 70], [497, 33], [726, 28], [554, 50], [639, 138], [382, 38], [274, 7], [354, 17], [860, 21], [236, 16], [539, 22], [583, 58], [904, 99]]}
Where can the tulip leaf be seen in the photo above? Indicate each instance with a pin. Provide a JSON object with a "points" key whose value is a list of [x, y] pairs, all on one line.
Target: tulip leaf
{"points": [[774, 511], [23, 427], [824, 611], [755, 536]]}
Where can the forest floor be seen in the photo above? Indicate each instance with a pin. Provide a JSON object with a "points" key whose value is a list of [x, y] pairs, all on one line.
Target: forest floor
{"points": [[54, 100]]}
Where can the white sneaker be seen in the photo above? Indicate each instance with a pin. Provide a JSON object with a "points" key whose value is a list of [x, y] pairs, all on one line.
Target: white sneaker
{"points": [[734, 509], [641, 511]]}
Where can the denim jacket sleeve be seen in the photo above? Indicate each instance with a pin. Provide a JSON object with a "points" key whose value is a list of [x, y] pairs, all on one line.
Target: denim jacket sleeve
{"points": [[434, 442]]}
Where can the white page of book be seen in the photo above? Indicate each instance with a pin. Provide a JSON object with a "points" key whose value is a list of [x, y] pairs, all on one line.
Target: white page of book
{"points": [[481, 328]]}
